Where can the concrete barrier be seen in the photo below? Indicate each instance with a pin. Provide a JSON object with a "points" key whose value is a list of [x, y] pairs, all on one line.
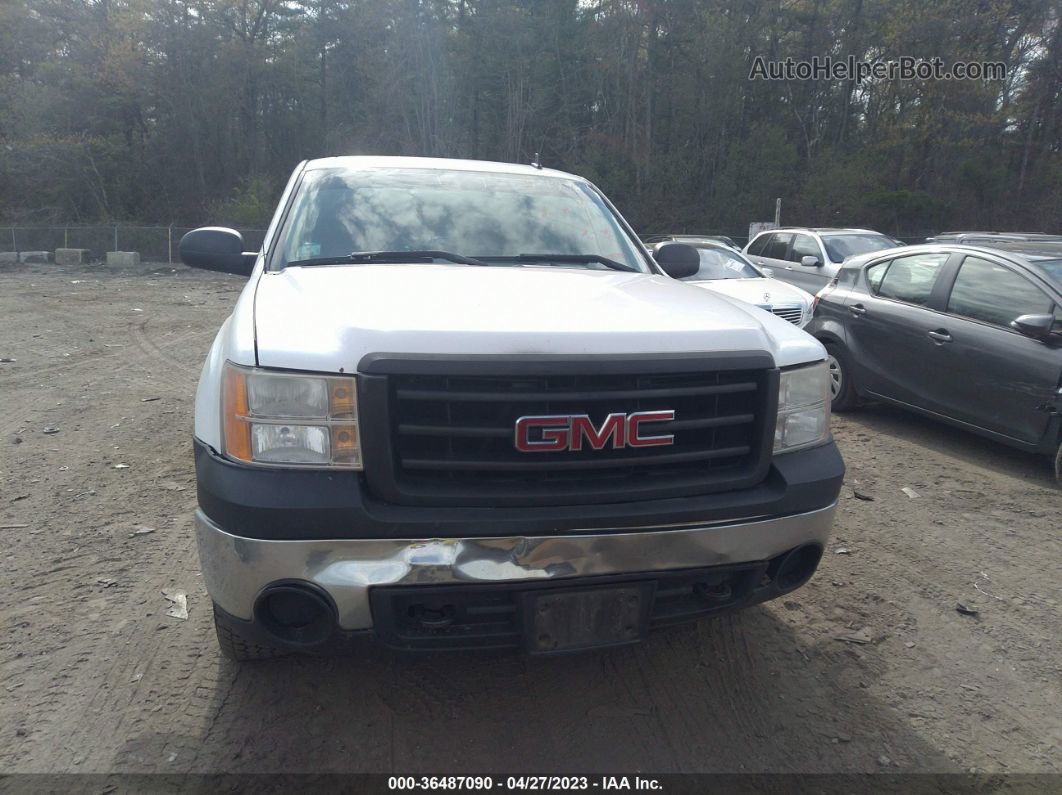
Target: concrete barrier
{"points": [[8, 257], [35, 256], [123, 259], [72, 256]]}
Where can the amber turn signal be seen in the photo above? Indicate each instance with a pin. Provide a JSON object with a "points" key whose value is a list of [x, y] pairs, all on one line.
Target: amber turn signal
{"points": [[237, 428], [341, 398]]}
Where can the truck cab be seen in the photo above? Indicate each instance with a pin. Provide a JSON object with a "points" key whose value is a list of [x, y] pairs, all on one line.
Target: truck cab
{"points": [[459, 405]]}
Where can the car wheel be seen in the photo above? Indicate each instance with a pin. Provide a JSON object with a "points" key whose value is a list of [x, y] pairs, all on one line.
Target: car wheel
{"points": [[843, 396], [236, 646], [1058, 465]]}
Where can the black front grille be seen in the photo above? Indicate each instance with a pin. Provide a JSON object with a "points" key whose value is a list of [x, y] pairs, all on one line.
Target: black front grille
{"points": [[451, 437]]}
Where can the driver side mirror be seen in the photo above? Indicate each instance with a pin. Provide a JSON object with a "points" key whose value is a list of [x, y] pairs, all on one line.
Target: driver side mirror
{"points": [[810, 262], [1038, 327], [678, 260], [216, 248]]}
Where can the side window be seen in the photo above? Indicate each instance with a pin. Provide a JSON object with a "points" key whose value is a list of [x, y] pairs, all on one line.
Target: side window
{"points": [[994, 294], [776, 249], [874, 275], [805, 246], [848, 277], [756, 249], [911, 279]]}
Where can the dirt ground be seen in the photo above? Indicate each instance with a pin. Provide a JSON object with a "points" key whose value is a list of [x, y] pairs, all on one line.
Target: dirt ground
{"points": [[868, 668]]}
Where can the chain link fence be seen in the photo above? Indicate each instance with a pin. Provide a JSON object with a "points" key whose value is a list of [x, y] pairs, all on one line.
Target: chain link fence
{"points": [[155, 243]]}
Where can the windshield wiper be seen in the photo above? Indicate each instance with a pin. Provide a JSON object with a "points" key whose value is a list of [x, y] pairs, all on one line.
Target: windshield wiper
{"points": [[573, 258], [389, 256], [429, 255]]}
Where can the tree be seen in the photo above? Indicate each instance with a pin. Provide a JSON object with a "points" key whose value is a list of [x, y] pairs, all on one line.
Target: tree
{"points": [[171, 110]]}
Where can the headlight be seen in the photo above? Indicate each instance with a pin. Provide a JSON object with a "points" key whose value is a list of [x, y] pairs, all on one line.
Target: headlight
{"points": [[803, 408], [288, 419]]}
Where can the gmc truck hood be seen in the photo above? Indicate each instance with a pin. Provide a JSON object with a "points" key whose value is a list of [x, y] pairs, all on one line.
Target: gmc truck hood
{"points": [[326, 318]]}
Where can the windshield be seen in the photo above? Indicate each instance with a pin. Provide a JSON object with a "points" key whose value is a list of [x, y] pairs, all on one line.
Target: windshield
{"points": [[1053, 268], [470, 213], [839, 247], [721, 263]]}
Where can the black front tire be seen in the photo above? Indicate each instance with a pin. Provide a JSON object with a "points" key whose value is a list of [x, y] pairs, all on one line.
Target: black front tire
{"points": [[842, 380], [240, 647], [1058, 465]]}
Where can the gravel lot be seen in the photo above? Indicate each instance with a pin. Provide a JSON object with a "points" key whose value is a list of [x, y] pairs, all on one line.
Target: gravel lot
{"points": [[868, 668]]}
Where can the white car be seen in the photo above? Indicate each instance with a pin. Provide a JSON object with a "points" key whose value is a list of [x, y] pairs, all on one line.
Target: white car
{"points": [[458, 405], [724, 270]]}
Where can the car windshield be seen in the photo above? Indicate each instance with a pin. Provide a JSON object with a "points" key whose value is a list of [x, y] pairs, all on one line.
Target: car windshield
{"points": [[1053, 268], [840, 247], [721, 263], [468, 213]]}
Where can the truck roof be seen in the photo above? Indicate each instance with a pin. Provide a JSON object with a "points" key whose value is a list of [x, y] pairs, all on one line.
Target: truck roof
{"points": [[358, 162]]}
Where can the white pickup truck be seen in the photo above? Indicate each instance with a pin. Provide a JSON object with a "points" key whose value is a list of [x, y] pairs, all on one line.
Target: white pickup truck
{"points": [[459, 405]]}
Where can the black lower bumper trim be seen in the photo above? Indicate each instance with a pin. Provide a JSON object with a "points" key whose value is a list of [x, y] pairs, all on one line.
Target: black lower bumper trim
{"points": [[493, 616], [278, 504]]}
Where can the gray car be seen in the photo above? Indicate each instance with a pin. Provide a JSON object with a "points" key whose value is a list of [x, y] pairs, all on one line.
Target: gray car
{"points": [[970, 335], [809, 258]]}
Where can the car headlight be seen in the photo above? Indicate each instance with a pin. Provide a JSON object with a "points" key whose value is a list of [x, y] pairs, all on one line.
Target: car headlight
{"points": [[290, 419], [803, 408]]}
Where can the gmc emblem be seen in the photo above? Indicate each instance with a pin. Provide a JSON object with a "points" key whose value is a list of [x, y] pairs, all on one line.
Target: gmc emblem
{"points": [[570, 431]]}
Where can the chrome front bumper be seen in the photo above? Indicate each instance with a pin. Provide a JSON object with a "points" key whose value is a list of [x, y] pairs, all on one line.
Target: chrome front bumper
{"points": [[236, 569]]}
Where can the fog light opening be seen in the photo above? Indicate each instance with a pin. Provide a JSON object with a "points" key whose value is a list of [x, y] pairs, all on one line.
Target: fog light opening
{"points": [[295, 613], [797, 567]]}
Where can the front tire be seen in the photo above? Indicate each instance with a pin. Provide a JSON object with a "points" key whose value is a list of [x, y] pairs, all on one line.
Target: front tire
{"points": [[1058, 464], [842, 381]]}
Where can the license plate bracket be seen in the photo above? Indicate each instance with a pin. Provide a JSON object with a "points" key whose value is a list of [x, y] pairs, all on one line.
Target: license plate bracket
{"points": [[574, 619]]}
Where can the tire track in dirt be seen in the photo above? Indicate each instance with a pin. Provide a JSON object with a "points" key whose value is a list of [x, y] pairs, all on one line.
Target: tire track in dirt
{"points": [[32, 305], [149, 665], [151, 349], [968, 518], [85, 660], [12, 410], [146, 351]]}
